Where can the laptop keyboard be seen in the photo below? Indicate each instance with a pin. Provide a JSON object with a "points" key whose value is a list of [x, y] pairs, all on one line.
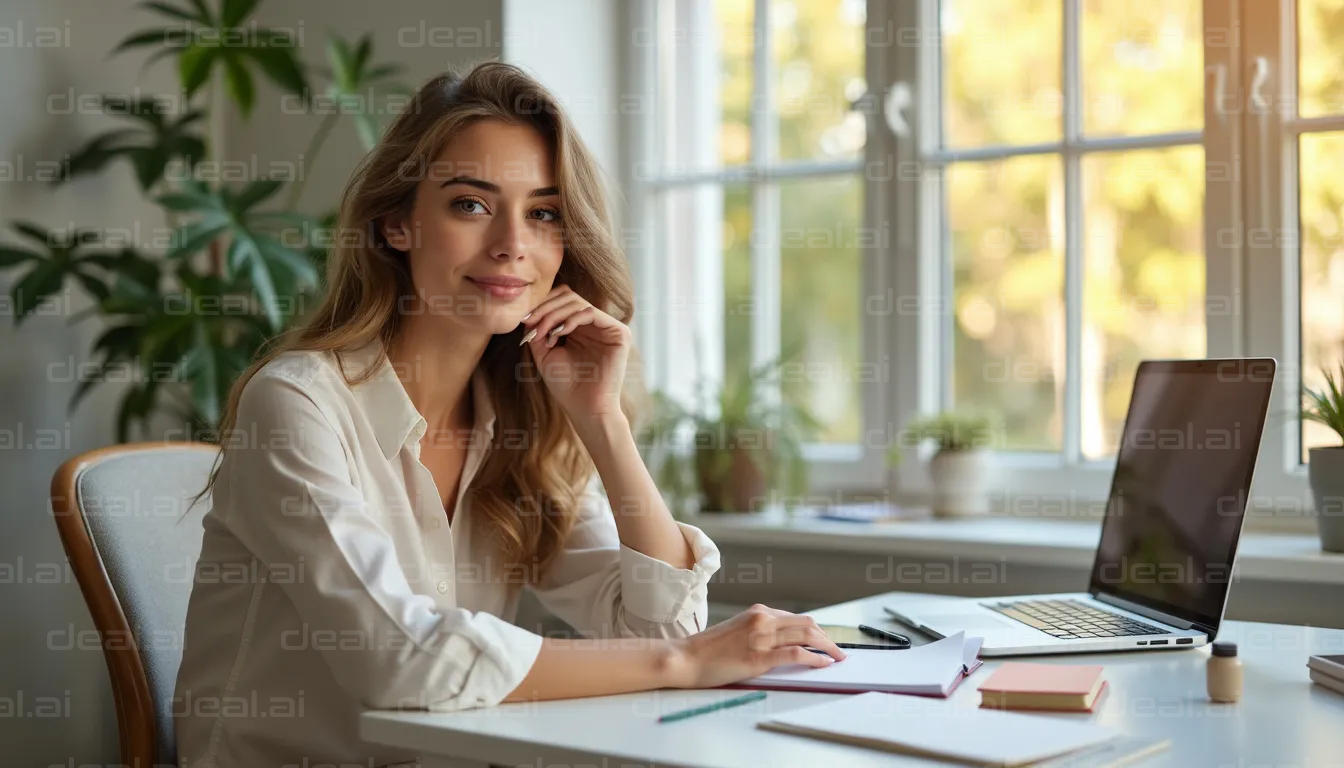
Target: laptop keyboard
{"points": [[1070, 619]]}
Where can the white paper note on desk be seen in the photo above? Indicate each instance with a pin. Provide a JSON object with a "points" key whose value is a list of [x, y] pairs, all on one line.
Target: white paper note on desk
{"points": [[939, 729], [926, 670]]}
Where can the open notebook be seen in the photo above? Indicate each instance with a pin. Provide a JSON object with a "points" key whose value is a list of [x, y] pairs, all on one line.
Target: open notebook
{"points": [[941, 729], [925, 670]]}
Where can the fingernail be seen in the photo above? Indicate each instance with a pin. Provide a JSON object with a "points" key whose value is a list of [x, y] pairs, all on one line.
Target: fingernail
{"points": [[532, 334], [556, 329], [529, 314]]}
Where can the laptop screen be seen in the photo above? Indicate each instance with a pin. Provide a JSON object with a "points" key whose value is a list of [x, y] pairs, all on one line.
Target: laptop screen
{"points": [[1181, 482]]}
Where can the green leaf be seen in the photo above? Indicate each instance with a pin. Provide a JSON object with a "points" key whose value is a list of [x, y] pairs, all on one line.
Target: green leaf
{"points": [[245, 258], [34, 232], [384, 71], [193, 66], [96, 288], [118, 343], [11, 256], [149, 163], [294, 262], [129, 264], [136, 404], [366, 125], [203, 12], [28, 294], [193, 237], [343, 68], [281, 66], [172, 11], [201, 366], [255, 193], [235, 11], [239, 82], [142, 38], [362, 52]]}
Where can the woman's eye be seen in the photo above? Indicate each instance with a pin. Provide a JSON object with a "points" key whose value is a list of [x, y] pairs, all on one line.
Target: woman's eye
{"points": [[546, 214], [465, 206]]}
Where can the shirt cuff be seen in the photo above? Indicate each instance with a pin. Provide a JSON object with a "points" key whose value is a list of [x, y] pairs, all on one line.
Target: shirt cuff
{"points": [[504, 654], [656, 591]]}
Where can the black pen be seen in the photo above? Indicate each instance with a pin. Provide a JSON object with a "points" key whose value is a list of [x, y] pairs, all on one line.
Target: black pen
{"points": [[883, 634]]}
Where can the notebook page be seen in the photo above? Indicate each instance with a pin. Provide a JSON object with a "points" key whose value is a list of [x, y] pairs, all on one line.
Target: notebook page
{"points": [[931, 668], [933, 727]]}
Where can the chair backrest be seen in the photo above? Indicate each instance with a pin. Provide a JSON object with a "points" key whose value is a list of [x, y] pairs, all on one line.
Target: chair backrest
{"points": [[132, 542]]}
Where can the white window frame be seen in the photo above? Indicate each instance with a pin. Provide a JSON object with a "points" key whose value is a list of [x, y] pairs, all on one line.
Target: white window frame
{"points": [[903, 193], [1264, 283], [679, 303]]}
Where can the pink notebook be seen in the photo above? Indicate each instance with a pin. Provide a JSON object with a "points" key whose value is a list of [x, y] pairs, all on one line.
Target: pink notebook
{"points": [[1062, 687]]}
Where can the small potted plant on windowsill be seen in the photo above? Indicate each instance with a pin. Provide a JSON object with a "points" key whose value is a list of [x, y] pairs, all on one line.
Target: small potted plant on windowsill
{"points": [[1325, 465], [960, 468], [738, 456]]}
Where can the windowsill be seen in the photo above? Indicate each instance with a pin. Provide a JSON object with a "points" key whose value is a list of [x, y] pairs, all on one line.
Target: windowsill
{"points": [[1262, 556]]}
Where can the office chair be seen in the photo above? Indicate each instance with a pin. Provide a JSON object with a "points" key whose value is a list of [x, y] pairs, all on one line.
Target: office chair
{"points": [[120, 514]]}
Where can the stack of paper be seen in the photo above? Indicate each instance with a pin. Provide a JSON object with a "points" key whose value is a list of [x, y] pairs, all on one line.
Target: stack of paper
{"points": [[1327, 671], [925, 670], [941, 729]]}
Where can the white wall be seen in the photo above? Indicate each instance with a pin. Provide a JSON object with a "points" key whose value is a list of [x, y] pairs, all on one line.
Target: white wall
{"points": [[36, 435], [38, 88]]}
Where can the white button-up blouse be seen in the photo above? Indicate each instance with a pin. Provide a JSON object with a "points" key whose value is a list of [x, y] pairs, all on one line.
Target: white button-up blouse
{"points": [[330, 580]]}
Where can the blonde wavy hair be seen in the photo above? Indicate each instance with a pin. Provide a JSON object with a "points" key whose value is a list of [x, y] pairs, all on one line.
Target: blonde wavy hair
{"points": [[524, 498]]}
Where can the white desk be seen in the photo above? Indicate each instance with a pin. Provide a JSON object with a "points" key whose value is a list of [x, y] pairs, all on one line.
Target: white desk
{"points": [[1282, 720]]}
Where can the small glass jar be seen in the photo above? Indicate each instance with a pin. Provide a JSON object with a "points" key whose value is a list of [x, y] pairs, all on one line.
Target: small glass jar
{"points": [[1224, 673]]}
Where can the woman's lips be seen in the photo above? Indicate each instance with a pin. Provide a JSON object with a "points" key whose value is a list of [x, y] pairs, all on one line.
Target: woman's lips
{"points": [[500, 291]]}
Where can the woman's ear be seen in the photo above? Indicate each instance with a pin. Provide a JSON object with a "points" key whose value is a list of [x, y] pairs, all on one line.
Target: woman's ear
{"points": [[395, 232]]}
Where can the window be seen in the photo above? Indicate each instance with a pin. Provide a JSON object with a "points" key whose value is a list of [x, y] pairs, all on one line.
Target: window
{"points": [[751, 181], [1004, 204], [1065, 153]]}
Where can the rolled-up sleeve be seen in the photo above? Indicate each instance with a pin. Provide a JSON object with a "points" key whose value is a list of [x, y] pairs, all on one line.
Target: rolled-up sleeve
{"points": [[603, 588], [294, 505]]}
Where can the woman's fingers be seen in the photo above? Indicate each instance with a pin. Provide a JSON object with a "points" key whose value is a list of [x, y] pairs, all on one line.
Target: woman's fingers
{"points": [[810, 634], [551, 313], [797, 654]]}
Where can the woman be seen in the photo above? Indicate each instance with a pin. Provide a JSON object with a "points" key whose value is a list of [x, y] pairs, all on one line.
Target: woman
{"points": [[430, 442]]}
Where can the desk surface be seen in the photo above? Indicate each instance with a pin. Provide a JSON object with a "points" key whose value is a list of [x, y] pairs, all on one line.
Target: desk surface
{"points": [[1282, 718]]}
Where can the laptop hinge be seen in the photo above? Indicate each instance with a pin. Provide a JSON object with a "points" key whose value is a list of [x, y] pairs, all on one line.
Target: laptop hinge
{"points": [[1165, 618]]}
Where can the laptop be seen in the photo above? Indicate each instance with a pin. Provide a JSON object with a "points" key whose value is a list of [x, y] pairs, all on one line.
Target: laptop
{"points": [[1178, 497]]}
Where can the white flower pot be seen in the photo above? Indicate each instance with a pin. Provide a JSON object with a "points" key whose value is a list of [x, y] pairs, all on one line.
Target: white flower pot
{"points": [[960, 483], [1325, 472]]}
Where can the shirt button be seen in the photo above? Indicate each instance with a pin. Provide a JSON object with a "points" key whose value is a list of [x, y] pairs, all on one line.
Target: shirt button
{"points": [[443, 587]]}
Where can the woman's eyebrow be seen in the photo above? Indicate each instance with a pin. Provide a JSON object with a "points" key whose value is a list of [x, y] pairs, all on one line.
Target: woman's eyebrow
{"points": [[494, 188]]}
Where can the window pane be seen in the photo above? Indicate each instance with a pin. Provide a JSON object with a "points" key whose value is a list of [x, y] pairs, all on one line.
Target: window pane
{"points": [[1001, 71], [704, 83], [821, 277], [1320, 41], [1322, 221], [1006, 243], [737, 298], [1143, 276], [818, 59], [1143, 67]]}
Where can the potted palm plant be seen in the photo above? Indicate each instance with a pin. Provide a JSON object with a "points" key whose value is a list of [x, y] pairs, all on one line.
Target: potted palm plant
{"points": [[960, 468], [1325, 465], [734, 452], [242, 262]]}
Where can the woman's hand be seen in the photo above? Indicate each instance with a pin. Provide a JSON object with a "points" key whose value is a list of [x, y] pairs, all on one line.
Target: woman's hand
{"points": [[750, 644], [584, 374]]}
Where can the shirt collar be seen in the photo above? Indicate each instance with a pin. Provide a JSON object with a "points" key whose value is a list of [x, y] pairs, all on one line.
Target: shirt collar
{"points": [[390, 410]]}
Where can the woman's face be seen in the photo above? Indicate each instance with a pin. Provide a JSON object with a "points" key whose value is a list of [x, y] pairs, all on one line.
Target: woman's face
{"points": [[484, 239]]}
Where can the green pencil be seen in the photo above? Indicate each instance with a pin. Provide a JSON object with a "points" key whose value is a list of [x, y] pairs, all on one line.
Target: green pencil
{"points": [[726, 703]]}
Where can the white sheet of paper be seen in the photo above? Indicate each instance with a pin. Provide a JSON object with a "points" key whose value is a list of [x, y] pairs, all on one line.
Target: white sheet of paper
{"points": [[926, 669], [933, 727]]}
